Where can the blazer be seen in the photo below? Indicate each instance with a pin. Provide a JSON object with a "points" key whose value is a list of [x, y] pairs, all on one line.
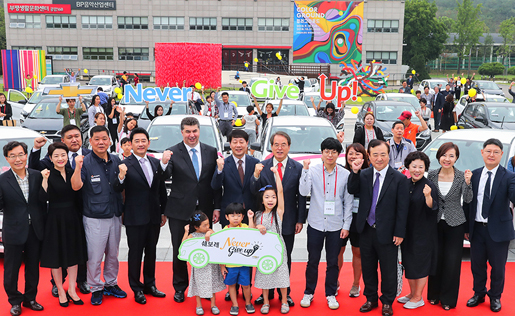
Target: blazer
{"points": [[359, 135], [500, 219], [450, 204], [294, 202], [186, 189], [144, 204], [234, 190], [392, 204], [7, 110], [35, 161], [438, 103], [15, 226]]}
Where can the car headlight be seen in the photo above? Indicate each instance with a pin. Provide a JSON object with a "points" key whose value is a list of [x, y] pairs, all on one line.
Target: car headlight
{"points": [[425, 133]]}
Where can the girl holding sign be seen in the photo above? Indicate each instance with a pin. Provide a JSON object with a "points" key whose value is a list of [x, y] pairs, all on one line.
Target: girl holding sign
{"points": [[269, 218]]}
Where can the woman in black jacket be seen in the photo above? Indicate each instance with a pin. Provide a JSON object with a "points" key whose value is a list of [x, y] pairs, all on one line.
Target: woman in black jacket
{"points": [[6, 111], [368, 132]]}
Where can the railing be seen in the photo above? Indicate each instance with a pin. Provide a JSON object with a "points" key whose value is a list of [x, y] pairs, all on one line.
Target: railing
{"points": [[281, 69], [451, 63]]}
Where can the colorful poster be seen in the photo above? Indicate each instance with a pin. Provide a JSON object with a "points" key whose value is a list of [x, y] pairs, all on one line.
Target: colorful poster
{"points": [[327, 31], [18, 64]]}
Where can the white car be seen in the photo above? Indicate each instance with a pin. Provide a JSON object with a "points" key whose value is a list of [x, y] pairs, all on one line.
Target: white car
{"points": [[20, 134], [431, 83], [306, 98], [53, 81], [108, 84], [17, 100], [308, 87], [315, 84], [460, 106], [251, 249], [401, 97]]}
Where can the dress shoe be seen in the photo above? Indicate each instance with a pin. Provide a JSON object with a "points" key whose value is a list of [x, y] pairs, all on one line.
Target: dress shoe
{"points": [[290, 301], [83, 287], [33, 305], [368, 306], [495, 305], [154, 291], [227, 296], [139, 297], [77, 302], [179, 296], [55, 291], [475, 301], [260, 300], [387, 310], [16, 310]]}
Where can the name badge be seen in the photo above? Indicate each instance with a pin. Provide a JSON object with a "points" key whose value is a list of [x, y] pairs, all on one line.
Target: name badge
{"points": [[226, 115], [95, 178], [115, 121], [355, 206], [398, 165], [72, 122], [329, 207]]}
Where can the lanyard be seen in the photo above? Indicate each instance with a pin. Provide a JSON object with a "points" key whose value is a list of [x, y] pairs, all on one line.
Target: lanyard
{"points": [[335, 180], [373, 135], [398, 149], [271, 219], [70, 113]]}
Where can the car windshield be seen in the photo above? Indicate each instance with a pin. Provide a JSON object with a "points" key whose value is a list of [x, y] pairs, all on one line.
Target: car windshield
{"points": [[413, 101], [36, 97], [46, 110], [290, 109], [496, 99], [433, 84], [470, 153], [242, 100], [165, 136], [100, 81], [500, 114], [304, 139], [488, 85], [316, 99], [4, 165], [177, 108], [392, 112], [52, 80], [307, 83]]}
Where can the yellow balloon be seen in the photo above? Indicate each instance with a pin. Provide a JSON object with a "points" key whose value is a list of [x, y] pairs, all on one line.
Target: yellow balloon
{"points": [[373, 61], [29, 90], [235, 104], [256, 60], [117, 90], [238, 122], [240, 81], [454, 127], [463, 81], [455, 78], [472, 92], [246, 64], [359, 99], [198, 85], [119, 96], [35, 76], [85, 71], [279, 57], [290, 84], [412, 90], [354, 110], [413, 71]]}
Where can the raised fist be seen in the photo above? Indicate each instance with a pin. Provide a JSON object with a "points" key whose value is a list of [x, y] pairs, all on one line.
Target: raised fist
{"points": [[45, 173], [427, 190], [258, 169], [306, 163], [79, 160], [167, 154], [274, 170], [39, 142], [356, 165], [250, 214], [468, 176], [220, 162], [123, 170]]}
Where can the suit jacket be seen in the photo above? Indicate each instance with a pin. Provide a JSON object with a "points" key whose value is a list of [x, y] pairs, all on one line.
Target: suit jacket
{"points": [[409, 82], [35, 161], [143, 203], [438, 103], [294, 202], [186, 189], [15, 227], [392, 204], [245, 89], [500, 219], [359, 135], [234, 190]]}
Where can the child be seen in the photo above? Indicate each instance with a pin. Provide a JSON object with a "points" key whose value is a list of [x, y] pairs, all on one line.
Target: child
{"points": [[234, 275], [270, 217], [206, 281], [126, 146]]}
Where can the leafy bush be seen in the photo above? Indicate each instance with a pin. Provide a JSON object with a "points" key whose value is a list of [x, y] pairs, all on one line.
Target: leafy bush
{"points": [[491, 69], [511, 70]]}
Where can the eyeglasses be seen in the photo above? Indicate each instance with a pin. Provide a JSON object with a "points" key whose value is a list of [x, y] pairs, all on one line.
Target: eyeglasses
{"points": [[330, 152], [283, 145], [13, 157], [495, 152], [268, 186]]}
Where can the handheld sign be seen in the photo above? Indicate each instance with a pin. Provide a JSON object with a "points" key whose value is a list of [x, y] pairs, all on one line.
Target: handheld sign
{"points": [[235, 246]]}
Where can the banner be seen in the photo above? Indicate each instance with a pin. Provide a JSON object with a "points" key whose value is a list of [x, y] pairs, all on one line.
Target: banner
{"points": [[34, 8], [18, 64], [235, 246], [327, 31]]}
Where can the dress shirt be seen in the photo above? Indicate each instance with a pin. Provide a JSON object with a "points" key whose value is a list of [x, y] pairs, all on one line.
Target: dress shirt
{"points": [[70, 154], [481, 192], [196, 96], [199, 156], [24, 184], [236, 162], [283, 168], [382, 175], [223, 108], [312, 181], [146, 165]]}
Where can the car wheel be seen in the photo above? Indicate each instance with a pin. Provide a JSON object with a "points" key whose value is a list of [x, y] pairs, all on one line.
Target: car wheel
{"points": [[267, 265], [198, 258]]}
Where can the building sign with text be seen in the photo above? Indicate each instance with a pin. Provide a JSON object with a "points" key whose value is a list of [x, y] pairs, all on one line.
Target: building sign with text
{"points": [[34, 8], [88, 5]]}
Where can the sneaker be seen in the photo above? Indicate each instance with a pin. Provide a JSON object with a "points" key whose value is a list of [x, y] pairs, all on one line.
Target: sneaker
{"points": [[306, 300], [250, 309], [332, 302], [115, 291], [215, 310], [413, 305], [235, 310], [96, 298], [199, 311], [404, 299], [354, 291]]}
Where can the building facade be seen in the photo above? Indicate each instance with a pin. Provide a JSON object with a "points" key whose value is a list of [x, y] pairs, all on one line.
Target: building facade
{"points": [[115, 35]]}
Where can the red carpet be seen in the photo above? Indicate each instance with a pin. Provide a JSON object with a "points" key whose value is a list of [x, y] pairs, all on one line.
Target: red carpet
{"points": [[166, 306]]}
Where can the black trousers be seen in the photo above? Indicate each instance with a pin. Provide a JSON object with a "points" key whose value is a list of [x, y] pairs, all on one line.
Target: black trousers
{"points": [[373, 252], [142, 238], [333, 244], [180, 268], [437, 117], [225, 127], [113, 130], [444, 286], [29, 253], [483, 249]]}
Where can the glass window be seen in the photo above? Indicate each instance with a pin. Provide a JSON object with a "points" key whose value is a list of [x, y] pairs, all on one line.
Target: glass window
{"points": [[133, 22], [272, 24], [97, 53], [133, 53], [202, 24], [386, 26], [98, 22]]}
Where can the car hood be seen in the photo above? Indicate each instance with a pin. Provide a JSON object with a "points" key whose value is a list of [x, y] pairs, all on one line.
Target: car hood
{"points": [[28, 107], [493, 91], [510, 126], [47, 126], [42, 86]]}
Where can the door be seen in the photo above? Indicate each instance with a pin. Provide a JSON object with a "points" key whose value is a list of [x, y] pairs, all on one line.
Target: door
{"points": [[481, 121], [467, 118], [17, 101]]}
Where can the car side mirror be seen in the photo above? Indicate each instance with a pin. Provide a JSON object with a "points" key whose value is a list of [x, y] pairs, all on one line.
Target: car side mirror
{"points": [[227, 146], [22, 102], [255, 146], [87, 83]]}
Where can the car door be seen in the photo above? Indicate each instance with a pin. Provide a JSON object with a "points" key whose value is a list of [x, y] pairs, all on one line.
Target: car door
{"points": [[481, 120], [17, 101], [467, 119]]}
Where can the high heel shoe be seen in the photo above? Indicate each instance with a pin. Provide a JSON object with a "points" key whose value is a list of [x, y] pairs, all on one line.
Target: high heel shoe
{"points": [[78, 302], [65, 304]]}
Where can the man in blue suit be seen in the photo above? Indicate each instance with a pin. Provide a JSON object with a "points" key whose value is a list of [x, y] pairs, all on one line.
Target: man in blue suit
{"points": [[294, 203], [490, 226]]}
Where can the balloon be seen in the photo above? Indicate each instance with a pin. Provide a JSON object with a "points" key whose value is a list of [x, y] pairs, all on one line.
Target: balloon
{"points": [[29, 90], [279, 57], [373, 61], [117, 90], [198, 85], [455, 78], [472, 92], [246, 64], [238, 122], [454, 127], [290, 84], [413, 71], [256, 60], [412, 90], [359, 99], [35, 76], [85, 71], [240, 81], [235, 104], [119, 96], [463, 81], [354, 110]]}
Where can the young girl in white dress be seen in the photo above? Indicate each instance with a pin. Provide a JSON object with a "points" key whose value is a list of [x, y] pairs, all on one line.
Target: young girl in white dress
{"points": [[206, 281], [269, 217]]}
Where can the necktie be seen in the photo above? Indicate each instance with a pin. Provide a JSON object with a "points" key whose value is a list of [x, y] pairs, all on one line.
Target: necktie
{"points": [[486, 197], [194, 160], [240, 170], [375, 194], [280, 170], [72, 163], [143, 163]]}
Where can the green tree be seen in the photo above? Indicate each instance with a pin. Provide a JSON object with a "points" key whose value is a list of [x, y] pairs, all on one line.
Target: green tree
{"points": [[448, 23], [424, 35], [468, 28], [507, 31]]}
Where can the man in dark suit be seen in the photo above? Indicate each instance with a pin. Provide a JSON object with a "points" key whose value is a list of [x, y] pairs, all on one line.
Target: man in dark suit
{"points": [[71, 137], [381, 222], [437, 103], [191, 165], [294, 203], [410, 81], [145, 201], [245, 88], [490, 226], [23, 226]]}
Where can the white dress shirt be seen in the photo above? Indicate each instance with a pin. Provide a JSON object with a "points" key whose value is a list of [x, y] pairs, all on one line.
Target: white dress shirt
{"points": [[242, 164], [283, 168], [481, 192], [199, 156]]}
